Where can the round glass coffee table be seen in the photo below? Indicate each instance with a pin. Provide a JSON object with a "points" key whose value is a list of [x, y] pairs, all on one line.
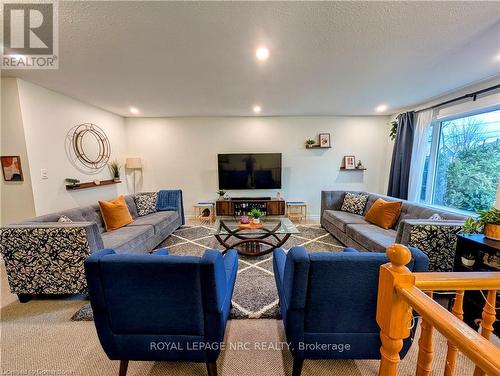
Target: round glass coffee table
{"points": [[274, 232]]}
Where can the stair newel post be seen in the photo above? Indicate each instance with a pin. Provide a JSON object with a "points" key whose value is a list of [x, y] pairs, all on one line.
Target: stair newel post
{"points": [[393, 313]]}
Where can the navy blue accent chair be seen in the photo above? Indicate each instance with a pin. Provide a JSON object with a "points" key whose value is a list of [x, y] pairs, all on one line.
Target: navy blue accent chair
{"points": [[328, 302], [157, 307]]}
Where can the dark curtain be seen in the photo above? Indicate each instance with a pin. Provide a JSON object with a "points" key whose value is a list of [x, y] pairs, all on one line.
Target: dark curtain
{"points": [[401, 156]]}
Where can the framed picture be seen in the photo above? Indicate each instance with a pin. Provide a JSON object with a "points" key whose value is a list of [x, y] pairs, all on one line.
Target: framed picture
{"points": [[11, 168], [349, 162], [324, 140]]}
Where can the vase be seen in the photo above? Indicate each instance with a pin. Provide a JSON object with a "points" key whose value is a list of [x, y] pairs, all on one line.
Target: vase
{"points": [[468, 262], [116, 179], [492, 231], [256, 221]]}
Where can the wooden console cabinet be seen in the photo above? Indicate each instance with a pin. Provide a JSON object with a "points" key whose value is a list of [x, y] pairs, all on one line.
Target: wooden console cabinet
{"points": [[485, 250], [242, 206]]}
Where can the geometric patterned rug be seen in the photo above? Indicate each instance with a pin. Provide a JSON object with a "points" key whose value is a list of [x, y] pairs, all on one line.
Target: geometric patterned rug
{"points": [[255, 295]]}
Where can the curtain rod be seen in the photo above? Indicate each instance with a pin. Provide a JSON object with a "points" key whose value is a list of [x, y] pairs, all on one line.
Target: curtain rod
{"points": [[466, 96]]}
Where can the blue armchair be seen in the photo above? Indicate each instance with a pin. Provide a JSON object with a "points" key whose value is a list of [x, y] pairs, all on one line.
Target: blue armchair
{"points": [[328, 302], [159, 307]]}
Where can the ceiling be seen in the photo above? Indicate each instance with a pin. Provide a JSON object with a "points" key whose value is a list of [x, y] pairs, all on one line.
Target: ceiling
{"points": [[327, 58]]}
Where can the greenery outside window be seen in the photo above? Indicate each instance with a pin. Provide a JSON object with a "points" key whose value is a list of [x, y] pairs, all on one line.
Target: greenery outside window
{"points": [[462, 163]]}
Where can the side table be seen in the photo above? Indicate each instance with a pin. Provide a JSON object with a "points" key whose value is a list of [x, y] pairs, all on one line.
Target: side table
{"points": [[486, 254], [200, 212], [296, 210]]}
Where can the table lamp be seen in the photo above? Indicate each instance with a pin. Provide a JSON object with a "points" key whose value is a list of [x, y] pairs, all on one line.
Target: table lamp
{"points": [[134, 163]]}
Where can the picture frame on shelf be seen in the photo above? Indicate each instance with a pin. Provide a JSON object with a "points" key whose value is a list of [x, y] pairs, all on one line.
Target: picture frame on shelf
{"points": [[349, 162], [324, 140], [11, 168]]}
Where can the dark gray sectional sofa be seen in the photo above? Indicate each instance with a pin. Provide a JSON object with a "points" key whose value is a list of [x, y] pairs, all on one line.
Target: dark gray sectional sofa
{"points": [[435, 238], [44, 256]]}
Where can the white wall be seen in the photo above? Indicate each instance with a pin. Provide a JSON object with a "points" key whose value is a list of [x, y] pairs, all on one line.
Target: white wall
{"points": [[182, 153], [16, 196], [47, 118]]}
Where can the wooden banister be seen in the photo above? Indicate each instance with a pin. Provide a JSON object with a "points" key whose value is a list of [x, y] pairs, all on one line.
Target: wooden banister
{"points": [[489, 315], [451, 355], [425, 350], [400, 291], [457, 281], [477, 348]]}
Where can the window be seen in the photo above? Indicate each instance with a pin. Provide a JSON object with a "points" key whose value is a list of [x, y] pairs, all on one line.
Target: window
{"points": [[463, 162]]}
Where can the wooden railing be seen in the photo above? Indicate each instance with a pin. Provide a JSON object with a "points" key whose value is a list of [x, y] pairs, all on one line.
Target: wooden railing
{"points": [[401, 291]]}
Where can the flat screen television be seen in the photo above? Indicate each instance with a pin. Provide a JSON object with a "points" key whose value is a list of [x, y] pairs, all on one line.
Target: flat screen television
{"points": [[250, 171]]}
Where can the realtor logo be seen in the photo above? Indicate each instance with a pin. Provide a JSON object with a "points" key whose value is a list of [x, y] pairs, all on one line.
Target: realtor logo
{"points": [[30, 35]]}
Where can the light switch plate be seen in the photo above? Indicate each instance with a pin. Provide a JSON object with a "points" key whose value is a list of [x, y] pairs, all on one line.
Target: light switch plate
{"points": [[44, 173]]}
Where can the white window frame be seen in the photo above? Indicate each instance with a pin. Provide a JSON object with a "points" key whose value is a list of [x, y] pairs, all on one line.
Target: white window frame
{"points": [[436, 133]]}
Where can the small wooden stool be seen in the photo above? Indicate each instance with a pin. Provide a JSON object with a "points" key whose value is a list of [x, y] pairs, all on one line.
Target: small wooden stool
{"points": [[198, 212], [296, 210]]}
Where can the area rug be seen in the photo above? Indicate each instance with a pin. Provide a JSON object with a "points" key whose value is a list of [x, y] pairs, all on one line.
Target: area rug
{"points": [[255, 295]]}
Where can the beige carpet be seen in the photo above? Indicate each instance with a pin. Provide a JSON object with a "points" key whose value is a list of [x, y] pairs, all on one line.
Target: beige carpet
{"points": [[38, 338]]}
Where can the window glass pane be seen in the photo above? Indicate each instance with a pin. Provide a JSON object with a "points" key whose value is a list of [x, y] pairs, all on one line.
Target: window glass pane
{"points": [[468, 162], [425, 175]]}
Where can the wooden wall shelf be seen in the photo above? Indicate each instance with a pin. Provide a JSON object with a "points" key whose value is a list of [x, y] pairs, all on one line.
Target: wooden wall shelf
{"points": [[352, 169], [90, 185], [318, 147]]}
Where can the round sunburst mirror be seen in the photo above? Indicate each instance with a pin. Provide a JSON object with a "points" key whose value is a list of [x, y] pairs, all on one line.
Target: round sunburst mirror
{"points": [[90, 146]]}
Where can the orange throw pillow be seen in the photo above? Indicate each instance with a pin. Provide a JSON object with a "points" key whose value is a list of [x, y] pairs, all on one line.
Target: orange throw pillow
{"points": [[383, 213], [115, 213]]}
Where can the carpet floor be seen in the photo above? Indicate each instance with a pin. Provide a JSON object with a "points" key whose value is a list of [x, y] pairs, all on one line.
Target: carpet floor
{"points": [[255, 295], [38, 338]]}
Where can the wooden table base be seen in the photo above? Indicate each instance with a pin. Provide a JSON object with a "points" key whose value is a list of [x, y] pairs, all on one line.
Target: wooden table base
{"points": [[252, 246]]}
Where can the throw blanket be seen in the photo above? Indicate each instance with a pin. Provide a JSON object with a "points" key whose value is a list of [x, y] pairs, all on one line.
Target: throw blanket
{"points": [[170, 200]]}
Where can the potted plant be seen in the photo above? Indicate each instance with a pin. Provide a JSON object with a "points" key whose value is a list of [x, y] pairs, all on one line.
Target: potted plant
{"points": [[488, 221], [255, 214], [72, 182], [394, 130], [221, 194], [114, 167], [468, 259], [310, 142]]}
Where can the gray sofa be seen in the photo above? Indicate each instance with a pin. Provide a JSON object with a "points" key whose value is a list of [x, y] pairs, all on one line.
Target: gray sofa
{"points": [[44, 256], [414, 228]]}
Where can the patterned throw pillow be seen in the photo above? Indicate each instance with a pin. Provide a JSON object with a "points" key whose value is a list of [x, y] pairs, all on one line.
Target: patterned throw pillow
{"points": [[146, 203], [354, 203], [64, 219]]}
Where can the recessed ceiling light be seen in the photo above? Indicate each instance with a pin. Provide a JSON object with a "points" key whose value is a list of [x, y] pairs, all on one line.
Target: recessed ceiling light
{"points": [[134, 110], [257, 109], [381, 108], [497, 58], [262, 53]]}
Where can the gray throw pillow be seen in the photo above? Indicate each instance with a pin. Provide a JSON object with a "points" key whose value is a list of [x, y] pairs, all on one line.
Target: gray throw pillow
{"points": [[354, 203], [146, 203]]}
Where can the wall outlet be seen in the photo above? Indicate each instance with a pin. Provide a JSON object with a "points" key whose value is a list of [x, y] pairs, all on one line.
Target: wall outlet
{"points": [[44, 173]]}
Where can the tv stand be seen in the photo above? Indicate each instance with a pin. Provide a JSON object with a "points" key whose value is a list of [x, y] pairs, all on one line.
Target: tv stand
{"points": [[238, 206], [250, 199]]}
